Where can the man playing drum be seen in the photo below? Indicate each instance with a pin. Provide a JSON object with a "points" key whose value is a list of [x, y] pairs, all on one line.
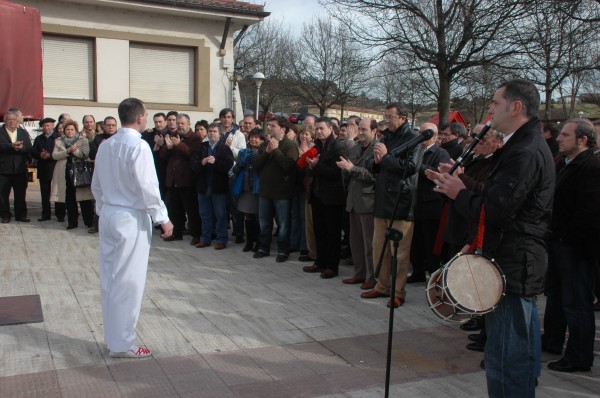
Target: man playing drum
{"points": [[517, 198]]}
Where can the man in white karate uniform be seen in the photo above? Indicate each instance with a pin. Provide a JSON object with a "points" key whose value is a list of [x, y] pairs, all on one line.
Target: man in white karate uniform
{"points": [[127, 197]]}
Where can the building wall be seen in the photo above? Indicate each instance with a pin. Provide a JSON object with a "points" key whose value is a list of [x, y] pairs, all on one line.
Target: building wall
{"points": [[114, 28]]}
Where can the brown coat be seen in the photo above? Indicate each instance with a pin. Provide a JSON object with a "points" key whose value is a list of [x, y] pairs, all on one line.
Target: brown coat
{"points": [[59, 181], [179, 172]]}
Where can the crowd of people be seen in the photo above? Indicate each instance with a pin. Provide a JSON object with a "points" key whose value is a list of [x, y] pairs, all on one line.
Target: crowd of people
{"points": [[329, 190]]}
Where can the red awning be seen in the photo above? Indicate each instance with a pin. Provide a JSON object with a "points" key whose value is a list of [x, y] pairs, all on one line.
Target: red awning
{"points": [[21, 60], [453, 117]]}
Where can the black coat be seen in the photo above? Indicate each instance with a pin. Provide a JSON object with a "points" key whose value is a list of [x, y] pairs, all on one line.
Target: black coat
{"points": [[429, 203], [453, 148], [396, 174], [45, 167], [518, 198], [327, 182], [11, 161], [219, 169], [576, 211]]}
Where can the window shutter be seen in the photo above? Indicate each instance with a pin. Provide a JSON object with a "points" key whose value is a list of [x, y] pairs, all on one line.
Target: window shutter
{"points": [[162, 74], [68, 67]]}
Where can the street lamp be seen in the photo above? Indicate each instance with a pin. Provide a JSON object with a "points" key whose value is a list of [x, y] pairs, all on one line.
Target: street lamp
{"points": [[580, 114], [258, 79]]}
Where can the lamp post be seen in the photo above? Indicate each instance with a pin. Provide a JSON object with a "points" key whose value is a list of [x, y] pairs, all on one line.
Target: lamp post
{"points": [[580, 114], [258, 79]]}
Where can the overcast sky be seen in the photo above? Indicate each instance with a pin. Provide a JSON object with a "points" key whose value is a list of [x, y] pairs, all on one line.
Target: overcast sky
{"points": [[294, 12]]}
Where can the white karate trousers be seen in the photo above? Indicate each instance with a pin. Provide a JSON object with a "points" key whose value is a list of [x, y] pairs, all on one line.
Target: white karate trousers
{"points": [[125, 236]]}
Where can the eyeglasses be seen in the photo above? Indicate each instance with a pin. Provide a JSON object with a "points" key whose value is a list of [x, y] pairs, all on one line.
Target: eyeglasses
{"points": [[391, 116]]}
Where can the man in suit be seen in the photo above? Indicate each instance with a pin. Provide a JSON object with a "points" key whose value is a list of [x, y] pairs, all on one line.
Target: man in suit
{"points": [[573, 250], [43, 145], [327, 197], [359, 203], [15, 149], [428, 210]]}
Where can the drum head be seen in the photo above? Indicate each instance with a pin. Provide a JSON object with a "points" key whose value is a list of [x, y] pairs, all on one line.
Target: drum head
{"points": [[474, 283], [440, 303]]}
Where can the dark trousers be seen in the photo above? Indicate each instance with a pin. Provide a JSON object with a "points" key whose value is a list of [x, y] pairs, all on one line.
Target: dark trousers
{"points": [[421, 248], [87, 208], [18, 184], [327, 222], [182, 202], [60, 210], [570, 298], [45, 189]]}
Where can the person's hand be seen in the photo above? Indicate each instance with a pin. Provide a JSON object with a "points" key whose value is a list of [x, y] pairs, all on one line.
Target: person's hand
{"points": [[445, 167], [379, 150], [344, 164], [17, 145], [210, 159], [312, 162], [168, 142], [71, 149], [159, 140], [176, 140], [167, 229], [449, 185], [229, 140], [272, 145]]}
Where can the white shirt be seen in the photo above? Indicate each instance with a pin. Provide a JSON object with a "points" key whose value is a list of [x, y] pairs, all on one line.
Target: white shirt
{"points": [[125, 176]]}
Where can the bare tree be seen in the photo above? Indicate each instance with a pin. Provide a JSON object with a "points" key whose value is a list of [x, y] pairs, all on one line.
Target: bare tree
{"points": [[556, 48], [330, 66], [447, 36], [261, 49]]}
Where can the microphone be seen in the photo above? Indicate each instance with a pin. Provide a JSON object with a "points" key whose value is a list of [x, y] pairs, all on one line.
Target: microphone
{"points": [[424, 136], [469, 149]]}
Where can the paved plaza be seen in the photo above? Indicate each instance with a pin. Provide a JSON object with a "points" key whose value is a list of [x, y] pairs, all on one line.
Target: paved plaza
{"points": [[222, 324]]}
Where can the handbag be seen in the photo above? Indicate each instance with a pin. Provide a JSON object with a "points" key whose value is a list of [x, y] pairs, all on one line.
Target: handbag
{"points": [[80, 173]]}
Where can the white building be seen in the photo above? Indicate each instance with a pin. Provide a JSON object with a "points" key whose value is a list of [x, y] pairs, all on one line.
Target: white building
{"points": [[172, 54]]}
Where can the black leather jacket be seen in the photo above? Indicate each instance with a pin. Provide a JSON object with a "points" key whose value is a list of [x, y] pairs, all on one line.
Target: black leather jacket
{"points": [[396, 174], [518, 198]]}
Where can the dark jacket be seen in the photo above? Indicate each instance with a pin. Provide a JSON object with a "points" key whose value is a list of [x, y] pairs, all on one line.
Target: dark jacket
{"points": [[453, 148], [179, 173], [45, 167], [429, 203], [397, 174], [518, 199], [95, 144], [277, 170], [216, 174], [11, 161], [327, 182], [576, 208]]}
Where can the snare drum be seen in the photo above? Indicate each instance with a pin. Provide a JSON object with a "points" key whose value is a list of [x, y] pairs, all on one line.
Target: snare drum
{"points": [[470, 284]]}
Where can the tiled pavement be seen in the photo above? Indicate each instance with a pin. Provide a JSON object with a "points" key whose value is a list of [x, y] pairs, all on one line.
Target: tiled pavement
{"points": [[222, 324]]}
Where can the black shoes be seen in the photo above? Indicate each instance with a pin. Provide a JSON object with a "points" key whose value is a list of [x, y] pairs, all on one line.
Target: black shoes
{"points": [[306, 258], [239, 239], [563, 365], [44, 219], [22, 219], [472, 325], [260, 254], [476, 347], [281, 258], [5, 220], [476, 337]]}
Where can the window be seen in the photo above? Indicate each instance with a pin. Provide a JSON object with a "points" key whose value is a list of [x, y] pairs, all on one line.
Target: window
{"points": [[162, 74], [68, 70]]}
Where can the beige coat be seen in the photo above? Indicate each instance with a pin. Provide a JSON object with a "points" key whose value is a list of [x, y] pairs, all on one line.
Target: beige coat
{"points": [[59, 181]]}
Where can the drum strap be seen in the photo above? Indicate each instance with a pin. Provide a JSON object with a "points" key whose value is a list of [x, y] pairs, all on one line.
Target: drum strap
{"points": [[477, 244]]}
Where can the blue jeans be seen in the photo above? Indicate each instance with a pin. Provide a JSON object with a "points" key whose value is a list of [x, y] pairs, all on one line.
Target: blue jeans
{"points": [[511, 356], [267, 210], [298, 234], [213, 204], [570, 300]]}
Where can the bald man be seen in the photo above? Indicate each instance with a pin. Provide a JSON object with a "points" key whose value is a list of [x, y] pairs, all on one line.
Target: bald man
{"points": [[428, 210]]}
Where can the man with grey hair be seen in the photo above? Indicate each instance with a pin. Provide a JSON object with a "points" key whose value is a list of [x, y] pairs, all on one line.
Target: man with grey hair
{"points": [[15, 148], [573, 250], [428, 210], [309, 121]]}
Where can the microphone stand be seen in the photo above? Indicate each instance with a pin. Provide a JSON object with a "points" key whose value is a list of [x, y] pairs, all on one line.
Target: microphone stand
{"points": [[470, 148], [395, 236]]}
